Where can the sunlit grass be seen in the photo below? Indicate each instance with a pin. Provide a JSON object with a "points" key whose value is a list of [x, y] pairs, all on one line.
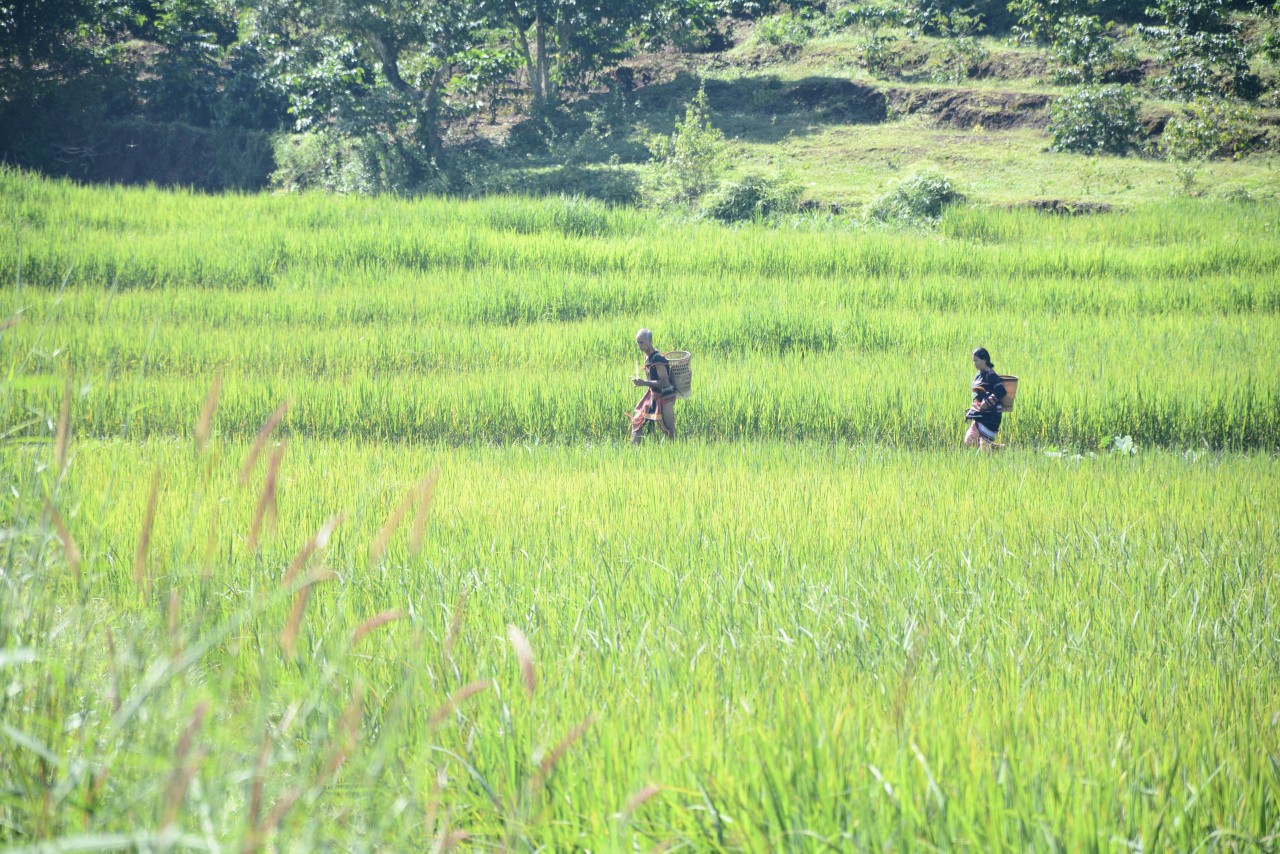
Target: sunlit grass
{"points": [[813, 622]]}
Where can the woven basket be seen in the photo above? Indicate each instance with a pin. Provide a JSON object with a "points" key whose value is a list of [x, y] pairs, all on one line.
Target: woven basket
{"points": [[1010, 391], [681, 374]]}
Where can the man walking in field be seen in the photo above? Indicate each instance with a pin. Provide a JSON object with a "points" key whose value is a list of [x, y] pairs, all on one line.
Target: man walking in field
{"points": [[658, 406]]}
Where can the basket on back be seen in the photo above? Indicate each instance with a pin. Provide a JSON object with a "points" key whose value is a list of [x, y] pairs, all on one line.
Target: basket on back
{"points": [[681, 374], [1010, 391]]}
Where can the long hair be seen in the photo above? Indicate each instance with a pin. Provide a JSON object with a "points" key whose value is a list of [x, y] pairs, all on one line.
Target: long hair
{"points": [[982, 354]]}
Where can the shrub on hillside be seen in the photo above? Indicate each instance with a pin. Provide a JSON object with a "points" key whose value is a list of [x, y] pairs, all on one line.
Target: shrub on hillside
{"points": [[1202, 47], [689, 161], [1210, 127], [870, 16], [754, 195], [788, 31], [1084, 51], [920, 198], [1038, 20], [1095, 119]]}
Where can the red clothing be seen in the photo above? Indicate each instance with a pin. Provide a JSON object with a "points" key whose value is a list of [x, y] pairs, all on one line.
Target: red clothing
{"points": [[649, 409]]}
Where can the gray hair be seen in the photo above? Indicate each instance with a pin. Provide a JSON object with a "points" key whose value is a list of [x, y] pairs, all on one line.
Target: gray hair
{"points": [[644, 333]]}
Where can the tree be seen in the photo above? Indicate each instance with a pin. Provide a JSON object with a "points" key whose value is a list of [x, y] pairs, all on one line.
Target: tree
{"points": [[562, 41], [40, 32], [369, 68]]}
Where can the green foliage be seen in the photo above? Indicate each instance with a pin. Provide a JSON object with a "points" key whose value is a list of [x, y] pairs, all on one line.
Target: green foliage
{"points": [[951, 18], [920, 199], [324, 160], [880, 55], [751, 196], [1269, 44], [789, 31], [615, 185], [960, 54], [1201, 46], [1094, 120], [871, 17], [691, 25], [1210, 127], [209, 667], [689, 161], [1038, 21], [1084, 51]]}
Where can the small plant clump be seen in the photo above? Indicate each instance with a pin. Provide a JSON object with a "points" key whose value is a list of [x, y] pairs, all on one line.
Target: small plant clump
{"points": [[787, 31], [919, 199], [751, 196], [1208, 128], [1095, 120]]}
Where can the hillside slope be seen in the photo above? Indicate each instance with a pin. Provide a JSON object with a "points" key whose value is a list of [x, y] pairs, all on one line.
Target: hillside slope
{"points": [[814, 112]]}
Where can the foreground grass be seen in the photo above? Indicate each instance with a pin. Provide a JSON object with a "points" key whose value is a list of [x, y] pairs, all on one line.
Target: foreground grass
{"points": [[797, 645]]}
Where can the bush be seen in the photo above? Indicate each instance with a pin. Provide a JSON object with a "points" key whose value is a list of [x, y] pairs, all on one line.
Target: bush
{"points": [[688, 161], [1202, 48], [1039, 20], [870, 16], [323, 160], [754, 195], [1095, 119], [920, 198], [1085, 52], [787, 31], [1210, 127]]}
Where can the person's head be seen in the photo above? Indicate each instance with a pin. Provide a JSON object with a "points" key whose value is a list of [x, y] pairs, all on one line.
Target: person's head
{"points": [[982, 360], [644, 340]]}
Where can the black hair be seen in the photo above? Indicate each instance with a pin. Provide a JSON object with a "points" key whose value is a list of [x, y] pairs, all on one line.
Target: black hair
{"points": [[982, 354]]}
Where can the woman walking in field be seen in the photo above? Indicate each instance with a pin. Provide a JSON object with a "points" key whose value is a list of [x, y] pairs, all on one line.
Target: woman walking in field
{"points": [[985, 413], [658, 406]]}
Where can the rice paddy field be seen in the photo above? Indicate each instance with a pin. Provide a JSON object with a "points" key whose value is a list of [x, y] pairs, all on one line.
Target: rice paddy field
{"points": [[319, 529]]}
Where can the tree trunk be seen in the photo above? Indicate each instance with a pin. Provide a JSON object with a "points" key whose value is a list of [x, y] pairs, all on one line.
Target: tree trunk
{"points": [[530, 69], [428, 129], [540, 33]]}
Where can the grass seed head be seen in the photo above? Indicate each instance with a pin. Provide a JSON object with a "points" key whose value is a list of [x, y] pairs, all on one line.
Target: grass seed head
{"points": [[456, 699], [204, 425], [140, 575], [290, 634], [455, 624], [638, 800], [261, 441], [380, 543], [425, 492], [524, 655], [374, 622], [266, 511], [69, 548], [64, 430], [310, 547], [548, 763], [185, 764]]}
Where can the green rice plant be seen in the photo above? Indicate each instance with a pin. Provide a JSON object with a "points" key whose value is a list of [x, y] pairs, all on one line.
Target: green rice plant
{"points": [[800, 652], [320, 529]]}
